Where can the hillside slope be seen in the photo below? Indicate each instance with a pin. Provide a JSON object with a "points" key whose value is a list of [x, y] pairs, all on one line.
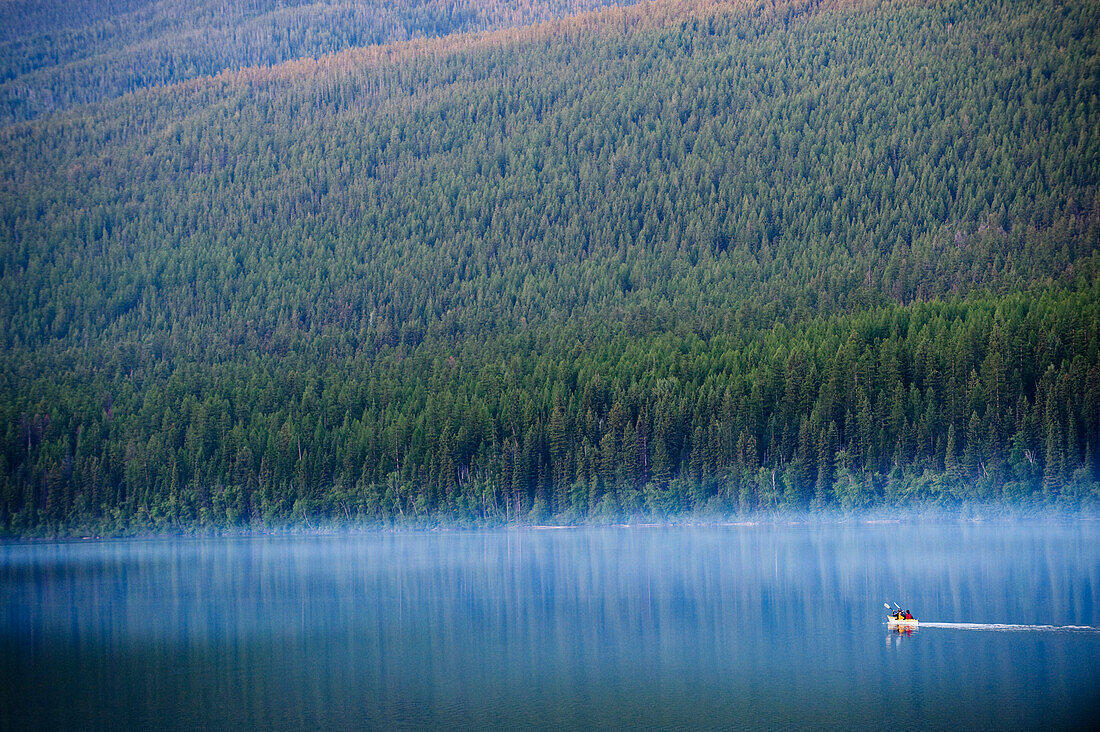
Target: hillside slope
{"points": [[677, 256], [60, 53]]}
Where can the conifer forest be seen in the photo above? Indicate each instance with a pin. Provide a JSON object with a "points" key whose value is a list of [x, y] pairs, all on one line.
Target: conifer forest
{"points": [[294, 263]]}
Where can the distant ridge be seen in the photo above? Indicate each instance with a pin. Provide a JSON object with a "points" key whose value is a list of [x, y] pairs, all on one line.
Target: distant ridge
{"points": [[613, 18], [60, 53]]}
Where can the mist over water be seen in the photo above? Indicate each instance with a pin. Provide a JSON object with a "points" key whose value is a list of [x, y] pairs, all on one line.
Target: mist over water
{"points": [[767, 626]]}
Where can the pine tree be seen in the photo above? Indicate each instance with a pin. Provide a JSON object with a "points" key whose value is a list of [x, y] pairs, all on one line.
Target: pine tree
{"points": [[1054, 462]]}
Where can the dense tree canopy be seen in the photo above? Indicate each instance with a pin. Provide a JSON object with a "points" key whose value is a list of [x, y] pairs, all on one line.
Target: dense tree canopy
{"points": [[675, 257], [58, 53]]}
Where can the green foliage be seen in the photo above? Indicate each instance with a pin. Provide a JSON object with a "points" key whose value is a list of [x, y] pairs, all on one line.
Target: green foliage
{"points": [[671, 259], [55, 54], [280, 438]]}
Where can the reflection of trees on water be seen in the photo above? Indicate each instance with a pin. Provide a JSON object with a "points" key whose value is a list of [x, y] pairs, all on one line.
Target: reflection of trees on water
{"points": [[311, 628]]}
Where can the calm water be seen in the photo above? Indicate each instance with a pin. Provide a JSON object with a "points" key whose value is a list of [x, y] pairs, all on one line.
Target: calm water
{"points": [[759, 627]]}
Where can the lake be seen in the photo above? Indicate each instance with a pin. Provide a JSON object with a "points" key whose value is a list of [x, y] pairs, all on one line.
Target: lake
{"points": [[764, 626]]}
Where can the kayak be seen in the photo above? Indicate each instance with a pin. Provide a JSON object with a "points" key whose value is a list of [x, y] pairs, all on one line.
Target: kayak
{"points": [[894, 621], [910, 623]]}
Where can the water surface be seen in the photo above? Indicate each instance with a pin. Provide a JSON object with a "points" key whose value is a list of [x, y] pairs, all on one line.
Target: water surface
{"points": [[733, 626]]}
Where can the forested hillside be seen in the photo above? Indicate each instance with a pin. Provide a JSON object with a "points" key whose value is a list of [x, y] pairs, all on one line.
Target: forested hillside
{"points": [[670, 258], [58, 53]]}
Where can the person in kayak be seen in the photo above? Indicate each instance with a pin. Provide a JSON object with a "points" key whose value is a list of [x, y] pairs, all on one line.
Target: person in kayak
{"points": [[908, 615]]}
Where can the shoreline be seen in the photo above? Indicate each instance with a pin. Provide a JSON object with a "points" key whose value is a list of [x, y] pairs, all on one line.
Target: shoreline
{"points": [[962, 516]]}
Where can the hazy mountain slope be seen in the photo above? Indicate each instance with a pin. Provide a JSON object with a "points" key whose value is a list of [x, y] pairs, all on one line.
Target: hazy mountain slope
{"points": [[57, 54], [652, 166], [661, 257]]}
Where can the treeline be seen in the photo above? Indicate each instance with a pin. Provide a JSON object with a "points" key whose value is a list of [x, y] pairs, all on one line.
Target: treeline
{"points": [[676, 257], [60, 53], [979, 400]]}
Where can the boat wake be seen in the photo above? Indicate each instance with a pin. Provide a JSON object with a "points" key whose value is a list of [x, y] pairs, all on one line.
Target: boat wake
{"points": [[1010, 627]]}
